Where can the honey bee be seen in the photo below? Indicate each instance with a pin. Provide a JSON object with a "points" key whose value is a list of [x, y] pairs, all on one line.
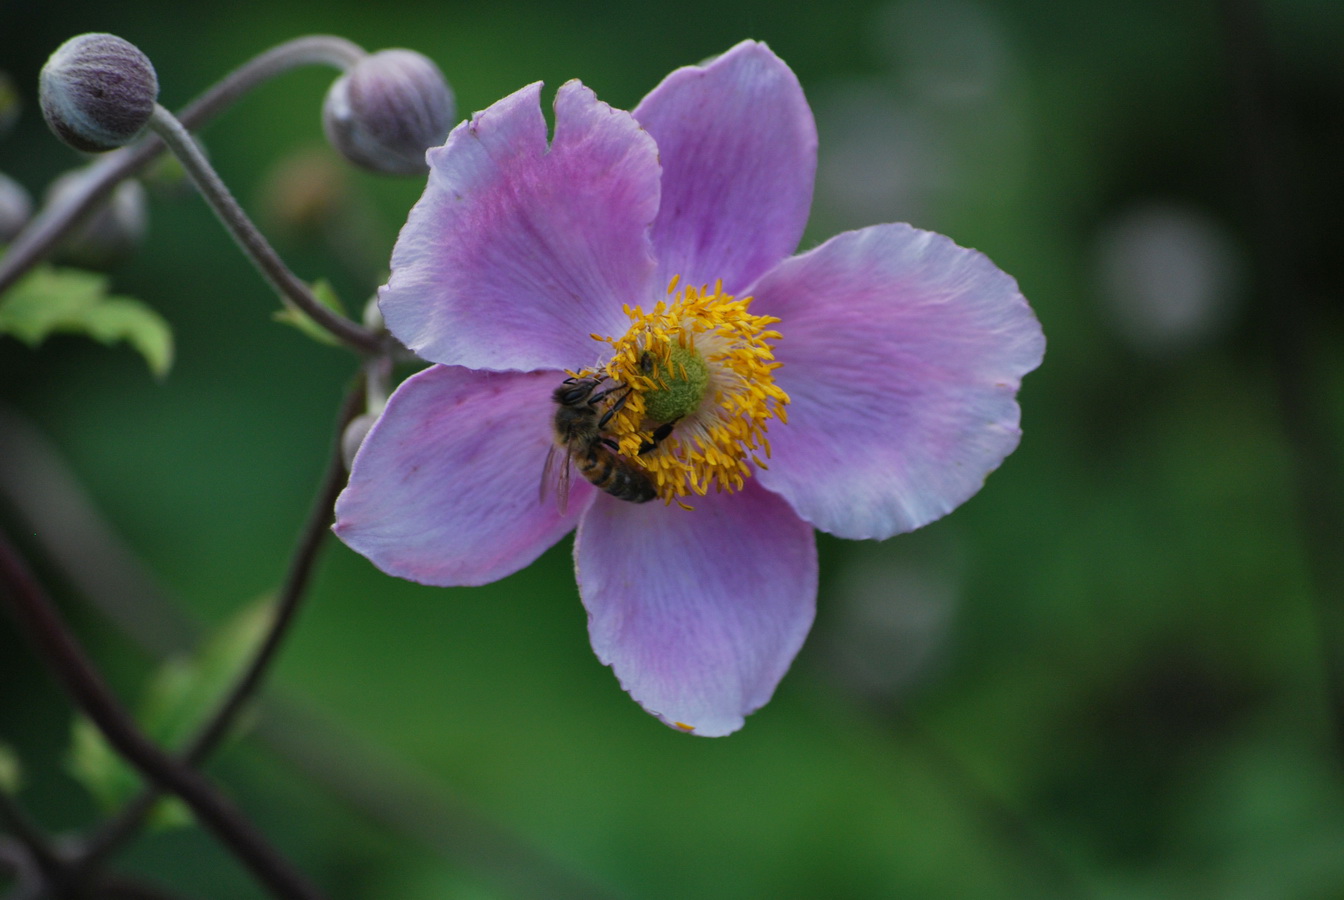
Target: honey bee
{"points": [[579, 423]]}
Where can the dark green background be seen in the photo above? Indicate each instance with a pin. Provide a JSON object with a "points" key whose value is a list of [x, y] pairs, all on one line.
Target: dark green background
{"points": [[1100, 678]]}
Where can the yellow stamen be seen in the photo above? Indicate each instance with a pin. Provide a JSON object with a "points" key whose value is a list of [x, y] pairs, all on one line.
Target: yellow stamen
{"points": [[703, 364]]}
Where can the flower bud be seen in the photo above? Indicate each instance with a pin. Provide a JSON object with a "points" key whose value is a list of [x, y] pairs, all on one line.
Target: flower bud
{"points": [[388, 110], [97, 92], [15, 208], [354, 435], [112, 232]]}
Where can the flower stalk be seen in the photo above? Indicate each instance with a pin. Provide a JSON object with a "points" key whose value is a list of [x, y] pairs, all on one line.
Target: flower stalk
{"points": [[59, 648], [293, 291], [245, 687], [36, 241]]}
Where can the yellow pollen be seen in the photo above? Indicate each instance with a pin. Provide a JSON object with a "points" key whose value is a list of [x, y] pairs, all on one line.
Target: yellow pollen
{"points": [[705, 364]]}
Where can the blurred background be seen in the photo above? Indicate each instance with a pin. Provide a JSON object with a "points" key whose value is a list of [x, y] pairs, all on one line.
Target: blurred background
{"points": [[1107, 675]]}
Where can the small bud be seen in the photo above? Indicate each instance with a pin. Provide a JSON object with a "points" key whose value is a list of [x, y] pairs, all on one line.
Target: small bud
{"points": [[306, 192], [112, 232], [354, 435], [97, 92], [388, 110], [15, 208]]}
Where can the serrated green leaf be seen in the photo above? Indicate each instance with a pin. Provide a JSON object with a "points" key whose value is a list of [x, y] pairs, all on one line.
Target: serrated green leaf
{"points": [[326, 295], [49, 300], [11, 770]]}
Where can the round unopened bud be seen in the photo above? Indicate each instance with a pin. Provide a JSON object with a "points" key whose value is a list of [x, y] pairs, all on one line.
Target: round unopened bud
{"points": [[354, 435], [15, 208], [97, 92], [388, 110], [112, 232]]}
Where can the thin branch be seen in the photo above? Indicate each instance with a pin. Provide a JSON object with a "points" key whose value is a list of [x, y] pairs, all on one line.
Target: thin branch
{"points": [[255, 247], [67, 660], [310, 541], [36, 241], [366, 776]]}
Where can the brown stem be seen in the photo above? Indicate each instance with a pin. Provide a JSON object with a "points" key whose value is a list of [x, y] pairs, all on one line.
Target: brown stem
{"points": [[311, 538]]}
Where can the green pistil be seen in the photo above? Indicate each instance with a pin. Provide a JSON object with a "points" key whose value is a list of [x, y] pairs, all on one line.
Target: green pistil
{"points": [[682, 379]]}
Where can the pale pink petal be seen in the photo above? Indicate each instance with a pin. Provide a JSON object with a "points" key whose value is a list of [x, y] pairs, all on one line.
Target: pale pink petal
{"points": [[739, 151], [517, 252], [902, 354], [699, 613], [444, 490]]}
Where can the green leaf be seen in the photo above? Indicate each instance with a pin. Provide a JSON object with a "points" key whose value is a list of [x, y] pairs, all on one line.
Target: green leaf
{"points": [[175, 705], [11, 770], [185, 691], [50, 300], [111, 780], [326, 295]]}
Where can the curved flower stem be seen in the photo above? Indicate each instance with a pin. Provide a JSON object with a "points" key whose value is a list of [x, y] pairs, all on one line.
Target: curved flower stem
{"points": [[292, 290], [53, 223], [66, 658], [314, 532]]}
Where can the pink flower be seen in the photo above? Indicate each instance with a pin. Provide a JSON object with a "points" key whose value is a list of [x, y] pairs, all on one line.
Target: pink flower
{"points": [[649, 252]]}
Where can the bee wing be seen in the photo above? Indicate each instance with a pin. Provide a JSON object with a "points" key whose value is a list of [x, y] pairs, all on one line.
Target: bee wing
{"points": [[557, 476]]}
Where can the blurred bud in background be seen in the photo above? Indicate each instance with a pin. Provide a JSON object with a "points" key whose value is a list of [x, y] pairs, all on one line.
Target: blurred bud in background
{"points": [[1170, 277], [308, 198], [354, 435], [97, 92], [950, 51], [304, 191], [939, 130], [890, 618], [113, 231], [9, 104], [388, 110], [16, 206]]}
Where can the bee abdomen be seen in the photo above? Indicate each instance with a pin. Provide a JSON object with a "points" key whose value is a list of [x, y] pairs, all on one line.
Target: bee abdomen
{"points": [[618, 477]]}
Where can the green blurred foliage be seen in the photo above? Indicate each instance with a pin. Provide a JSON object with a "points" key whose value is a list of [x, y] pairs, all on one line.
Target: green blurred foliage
{"points": [[1103, 676]]}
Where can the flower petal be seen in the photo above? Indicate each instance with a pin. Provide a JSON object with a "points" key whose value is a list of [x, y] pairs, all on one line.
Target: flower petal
{"points": [[517, 253], [739, 151], [444, 488], [902, 354], [699, 613]]}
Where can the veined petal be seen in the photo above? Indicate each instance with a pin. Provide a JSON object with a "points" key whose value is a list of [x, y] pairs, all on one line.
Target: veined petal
{"points": [[902, 354], [518, 252], [444, 491], [739, 151], [699, 613]]}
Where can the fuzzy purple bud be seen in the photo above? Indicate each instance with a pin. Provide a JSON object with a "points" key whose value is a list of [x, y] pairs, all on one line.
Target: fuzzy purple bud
{"points": [[97, 92], [388, 110]]}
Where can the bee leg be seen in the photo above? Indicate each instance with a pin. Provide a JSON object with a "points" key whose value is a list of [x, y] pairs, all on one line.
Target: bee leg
{"points": [[609, 443], [659, 435], [615, 407]]}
